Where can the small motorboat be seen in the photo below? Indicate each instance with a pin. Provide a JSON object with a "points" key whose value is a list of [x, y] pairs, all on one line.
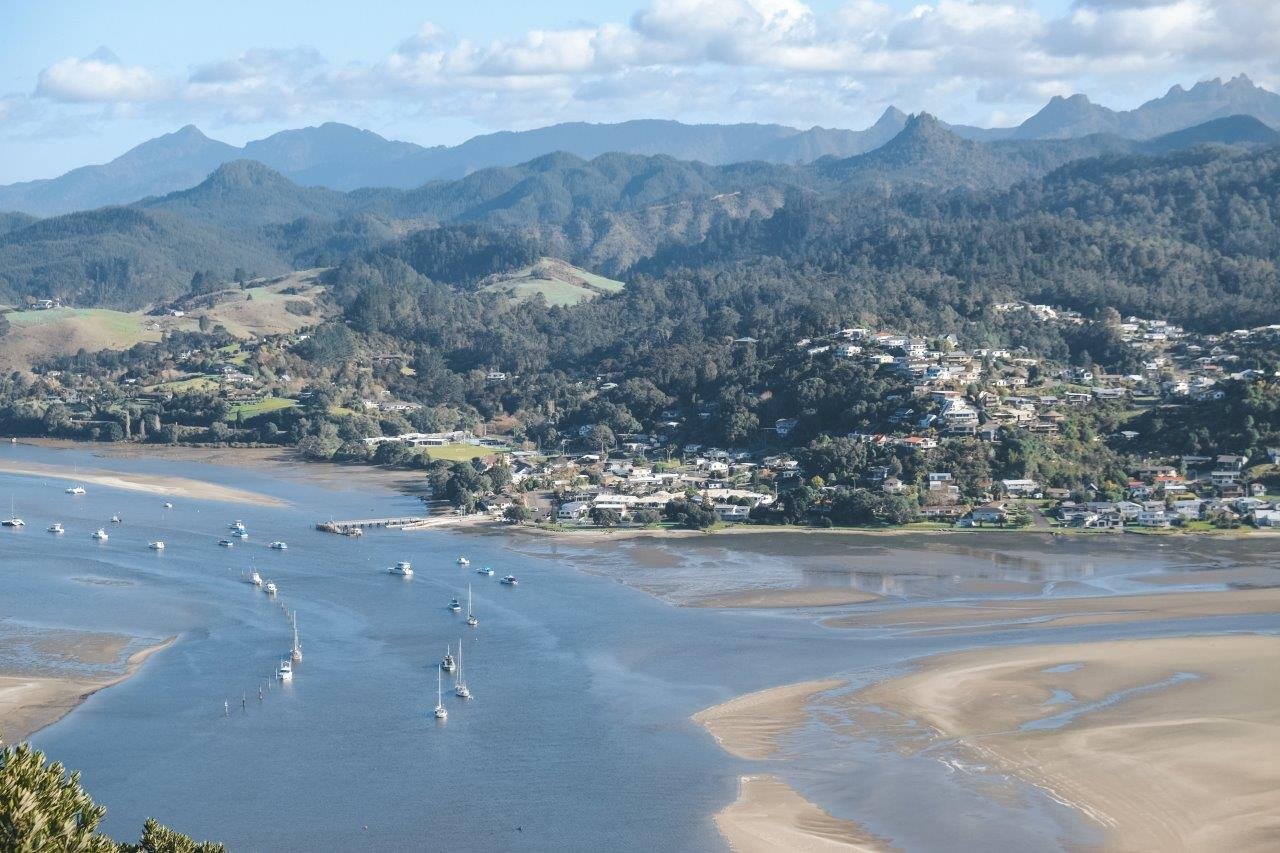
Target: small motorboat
{"points": [[402, 568], [56, 527], [226, 543], [236, 525], [510, 580], [168, 505], [75, 490], [115, 519], [463, 561], [485, 570], [455, 606], [157, 545], [285, 672], [447, 663], [271, 588], [278, 546], [241, 534], [100, 535], [254, 578]]}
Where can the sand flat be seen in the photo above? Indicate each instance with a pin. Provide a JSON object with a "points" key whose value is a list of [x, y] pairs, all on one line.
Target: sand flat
{"points": [[1064, 612], [156, 484], [750, 725], [30, 703], [1169, 744], [769, 816], [785, 598]]}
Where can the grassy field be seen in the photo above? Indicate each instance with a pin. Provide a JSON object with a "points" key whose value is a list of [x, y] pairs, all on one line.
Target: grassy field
{"points": [[195, 383], [35, 335], [269, 404], [558, 282], [461, 452]]}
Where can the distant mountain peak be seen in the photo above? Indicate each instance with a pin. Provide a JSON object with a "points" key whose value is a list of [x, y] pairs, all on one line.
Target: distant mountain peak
{"points": [[239, 174], [891, 116]]}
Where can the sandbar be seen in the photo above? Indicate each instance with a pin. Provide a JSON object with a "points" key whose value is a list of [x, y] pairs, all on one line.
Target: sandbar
{"points": [[769, 816], [784, 598], [750, 725], [1168, 743]]}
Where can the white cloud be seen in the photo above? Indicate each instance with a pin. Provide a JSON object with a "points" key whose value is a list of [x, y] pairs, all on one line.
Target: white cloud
{"points": [[764, 60], [99, 78]]}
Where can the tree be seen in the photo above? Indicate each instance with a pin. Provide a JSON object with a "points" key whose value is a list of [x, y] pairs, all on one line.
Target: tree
{"points": [[602, 517], [517, 514]]}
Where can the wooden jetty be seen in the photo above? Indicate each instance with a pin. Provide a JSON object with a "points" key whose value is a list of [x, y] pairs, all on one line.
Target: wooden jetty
{"points": [[358, 526]]}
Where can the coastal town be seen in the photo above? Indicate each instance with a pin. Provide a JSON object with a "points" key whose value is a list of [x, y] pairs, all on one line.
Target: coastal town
{"points": [[928, 460]]}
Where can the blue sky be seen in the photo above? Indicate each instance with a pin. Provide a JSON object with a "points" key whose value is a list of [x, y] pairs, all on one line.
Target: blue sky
{"points": [[81, 82]]}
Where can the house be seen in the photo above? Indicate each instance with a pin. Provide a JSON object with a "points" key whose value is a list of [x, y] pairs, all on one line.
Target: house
{"points": [[1266, 517], [784, 426], [992, 513], [731, 512], [1150, 518], [1021, 488], [572, 511]]}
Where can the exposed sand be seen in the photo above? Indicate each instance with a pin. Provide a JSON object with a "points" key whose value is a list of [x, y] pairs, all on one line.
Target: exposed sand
{"points": [[782, 598], [1189, 764], [29, 703], [1063, 612], [769, 816], [749, 726], [156, 484]]}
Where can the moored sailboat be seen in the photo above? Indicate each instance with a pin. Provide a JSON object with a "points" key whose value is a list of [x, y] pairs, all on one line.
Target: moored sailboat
{"points": [[472, 621], [460, 688], [441, 713]]}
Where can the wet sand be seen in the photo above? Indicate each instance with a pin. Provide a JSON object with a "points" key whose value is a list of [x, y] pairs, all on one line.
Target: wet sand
{"points": [[749, 726], [769, 816], [156, 484], [1166, 743], [29, 703], [785, 598], [1064, 612]]}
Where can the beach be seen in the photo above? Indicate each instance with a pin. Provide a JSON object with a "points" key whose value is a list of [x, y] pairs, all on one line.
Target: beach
{"points": [[785, 598], [1167, 743], [750, 726], [157, 484], [28, 703]]}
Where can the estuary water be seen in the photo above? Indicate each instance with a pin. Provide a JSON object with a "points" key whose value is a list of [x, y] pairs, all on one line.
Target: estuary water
{"points": [[579, 735]]}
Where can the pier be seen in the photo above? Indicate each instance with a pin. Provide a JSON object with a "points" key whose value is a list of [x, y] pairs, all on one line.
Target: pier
{"points": [[358, 526]]}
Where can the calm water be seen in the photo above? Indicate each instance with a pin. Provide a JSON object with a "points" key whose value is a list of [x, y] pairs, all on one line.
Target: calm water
{"points": [[578, 738]]}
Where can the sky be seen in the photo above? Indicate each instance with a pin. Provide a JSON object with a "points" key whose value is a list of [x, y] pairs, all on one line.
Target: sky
{"points": [[82, 81]]}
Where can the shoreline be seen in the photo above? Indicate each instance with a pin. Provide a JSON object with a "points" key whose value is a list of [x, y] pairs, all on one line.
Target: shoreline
{"points": [[37, 702]]}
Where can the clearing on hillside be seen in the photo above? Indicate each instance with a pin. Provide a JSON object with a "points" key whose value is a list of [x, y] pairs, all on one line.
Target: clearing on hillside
{"points": [[267, 307], [560, 283]]}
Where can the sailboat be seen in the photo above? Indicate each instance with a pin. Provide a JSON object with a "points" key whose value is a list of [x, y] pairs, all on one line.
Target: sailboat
{"points": [[447, 663], [441, 713], [77, 489], [297, 646], [13, 520], [472, 621], [460, 686], [254, 578]]}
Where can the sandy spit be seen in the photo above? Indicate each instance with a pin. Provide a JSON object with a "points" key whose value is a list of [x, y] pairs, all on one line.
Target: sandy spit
{"points": [[156, 484], [750, 725], [30, 703], [784, 598]]}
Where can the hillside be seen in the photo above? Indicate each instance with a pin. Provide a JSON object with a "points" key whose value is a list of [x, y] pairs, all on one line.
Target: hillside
{"points": [[557, 282]]}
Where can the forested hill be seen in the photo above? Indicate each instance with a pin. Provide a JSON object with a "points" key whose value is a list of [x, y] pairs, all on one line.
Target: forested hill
{"points": [[1191, 236], [1138, 231]]}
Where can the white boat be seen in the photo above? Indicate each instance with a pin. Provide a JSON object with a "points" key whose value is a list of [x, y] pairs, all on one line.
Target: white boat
{"points": [[285, 672], [241, 534], [157, 545], [447, 663], [485, 570], [402, 568], [278, 546], [271, 588], [254, 578], [455, 606], [463, 561], [226, 543], [100, 535], [76, 490], [56, 527], [236, 525], [297, 646], [460, 684], [441, 713], [168, 505], [115, 519], [471, 617], [510, 580], [12, 520]]}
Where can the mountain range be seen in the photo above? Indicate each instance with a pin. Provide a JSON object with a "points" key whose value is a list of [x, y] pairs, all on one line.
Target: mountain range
{"points": [[606, 214], [341, 157]]}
